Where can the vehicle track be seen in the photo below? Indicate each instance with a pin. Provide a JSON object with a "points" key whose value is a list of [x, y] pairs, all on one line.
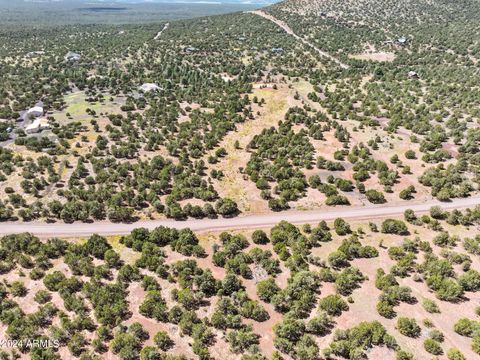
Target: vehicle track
{"points": [[289, 31], [105, 228], [161, 31]]}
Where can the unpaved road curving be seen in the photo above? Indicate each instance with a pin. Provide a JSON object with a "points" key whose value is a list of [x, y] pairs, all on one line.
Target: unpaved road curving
{"points": [[370, 212], [289, 31]]}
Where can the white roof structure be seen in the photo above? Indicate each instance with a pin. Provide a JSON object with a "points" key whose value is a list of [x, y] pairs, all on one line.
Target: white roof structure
{"points": [[33, 127], [147, 87], [34, 53], [35, 111], [37, 125], [72, 56]]}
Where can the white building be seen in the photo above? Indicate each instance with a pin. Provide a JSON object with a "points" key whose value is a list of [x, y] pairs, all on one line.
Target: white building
{"points": [[413, 75], [34, 112], [72, 56], [37, 126], [147, 87], [32, 54], [190, 49]]}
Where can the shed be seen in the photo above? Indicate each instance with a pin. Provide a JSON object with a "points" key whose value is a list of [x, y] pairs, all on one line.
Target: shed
{"points": [[37, 125], [72, 56], [190, 49], [413, 75], [147, 87], [32, 54]]}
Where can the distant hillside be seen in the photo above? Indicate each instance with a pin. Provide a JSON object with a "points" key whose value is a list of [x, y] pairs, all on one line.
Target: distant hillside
{"points": [[352, 26], [47, 13], [384, 13]]}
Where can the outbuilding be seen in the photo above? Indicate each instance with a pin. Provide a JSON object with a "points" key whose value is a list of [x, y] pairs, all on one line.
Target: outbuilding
{"points": [[413, 75], [37, 125], [147, 87], [72, 56], [190, 49]]}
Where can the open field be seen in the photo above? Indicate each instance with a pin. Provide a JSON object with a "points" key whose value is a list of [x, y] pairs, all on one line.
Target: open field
{"points": [[374, 56]]}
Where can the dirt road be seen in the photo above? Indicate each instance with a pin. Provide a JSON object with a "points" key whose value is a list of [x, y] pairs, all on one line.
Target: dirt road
{"points": [[288, 30], [241, 222], [161, 31]]}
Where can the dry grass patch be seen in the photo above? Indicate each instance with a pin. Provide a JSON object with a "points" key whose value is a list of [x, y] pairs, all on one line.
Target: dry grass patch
{"points": [[381, 56], [234, 184]]}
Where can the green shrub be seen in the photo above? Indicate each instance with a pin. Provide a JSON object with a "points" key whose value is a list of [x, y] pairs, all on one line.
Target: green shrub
{"points": [[242, 339], [403, 355], [476, 344], [408, 327], [432, 347], [392, 226], [341, 227], [163, 341], [385, 309], [320, 324], [455, 354], [470, 280], [348, 280], [266, 289], [352, 343], [436, 335], [375, 197], [431, 306], [18, 289], [410, 154], [333, 200], [333, 305], [260, 237]]}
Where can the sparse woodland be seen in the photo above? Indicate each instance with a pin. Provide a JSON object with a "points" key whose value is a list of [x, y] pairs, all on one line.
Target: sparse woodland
{"points": [[285, 291], [245, 120], [120, 154]]}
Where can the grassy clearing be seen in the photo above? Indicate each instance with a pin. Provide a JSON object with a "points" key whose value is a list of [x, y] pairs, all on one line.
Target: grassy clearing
{"points": [[376, 56], [76, 107], [233, 185], [115, 242]]}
